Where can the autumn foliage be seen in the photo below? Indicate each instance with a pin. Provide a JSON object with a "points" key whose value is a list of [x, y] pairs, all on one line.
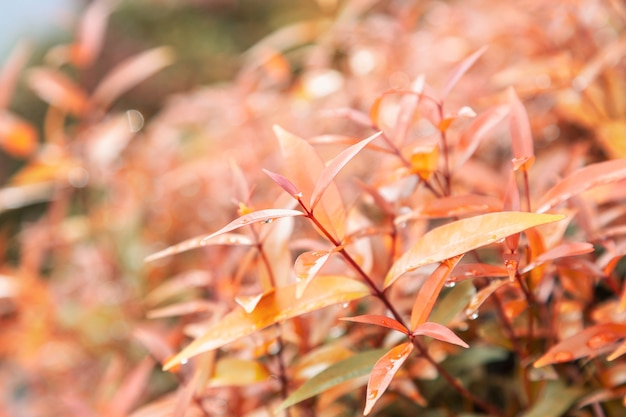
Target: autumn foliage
{"points": [[396, 209]]}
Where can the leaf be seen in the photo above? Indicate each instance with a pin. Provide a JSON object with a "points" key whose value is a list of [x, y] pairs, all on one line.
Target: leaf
{"points": [[429, 292], [129, 73], [581, 180], [479, 298], [285, 184], [475, 270], [18, 138], [274, 307], [332, 169], [462, 236], [453, 302], [10, 72], [305, 167], [383, 372], [521, 136], [91, 33], [555, 400], [453, 206], [199, 241], [130, 390], [378, 320], [460, 70], [561, 251], [350, 368], [439, 332], [307, 266], [235, 372], [586, 343], [476, 132], [58, 90]]}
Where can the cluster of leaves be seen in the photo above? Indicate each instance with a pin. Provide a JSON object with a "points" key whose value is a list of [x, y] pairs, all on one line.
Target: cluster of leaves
{"points": [[417, 208]]}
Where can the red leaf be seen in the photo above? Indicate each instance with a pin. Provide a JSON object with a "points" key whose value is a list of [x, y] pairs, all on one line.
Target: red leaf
{"points": [[285, 184], [383, 372], [521, 136], [332, 169], [378, 320], [460, 70], [429, 292], [439, 332], [581, 180], [586, 343]]}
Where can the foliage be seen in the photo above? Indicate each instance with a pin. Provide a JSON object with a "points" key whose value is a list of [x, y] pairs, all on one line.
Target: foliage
{"points": [[400, 208]]}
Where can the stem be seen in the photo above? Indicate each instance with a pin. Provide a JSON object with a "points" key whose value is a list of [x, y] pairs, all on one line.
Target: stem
{"points": [[446, 154], [488, 408], [383, 298], [527, 191]]}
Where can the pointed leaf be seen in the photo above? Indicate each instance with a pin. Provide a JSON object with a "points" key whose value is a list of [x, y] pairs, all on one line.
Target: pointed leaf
{"points": [[305, 167], [581, 180], [332, 169], [56, 89], [383, 372], [475, 270], [428, 294], [586, 343], [521, 136], [285, 184], [199, 241], [561, 251], [463, 236], [476, 132], [353, 367], [453, 206], [274, 307], [460, 70], [90, 34], [266, 216], [439, 332], [307, 267], [131, 72], [378, 320], [479, 298]]}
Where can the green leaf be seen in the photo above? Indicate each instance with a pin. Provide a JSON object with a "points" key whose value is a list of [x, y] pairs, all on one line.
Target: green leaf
{"points": [[453, 302], [556, 400], [462, 236], [353, 367]]}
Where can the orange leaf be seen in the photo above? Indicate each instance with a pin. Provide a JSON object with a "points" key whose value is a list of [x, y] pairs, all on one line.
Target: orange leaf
{"points": [[589, 342], [521, 136], [439, 332], [17, 137], [581, 180], [58, 90], [561, 251], [460, 70], [429, 292], [305, 167], [474, 270], [199, 241], [462, 236], [274, 307], [131, 72], [383, 372], [332, 169], [456, 205], [481, 296], [307, 266], [476, 132], [378, 320]]}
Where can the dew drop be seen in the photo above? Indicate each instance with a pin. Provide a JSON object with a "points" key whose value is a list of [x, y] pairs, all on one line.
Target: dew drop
{"points": [[389, 367], [266, 221], [183, 361], [450, 284], [372, 394], [562, 356], [345, 305], [473, 316]]}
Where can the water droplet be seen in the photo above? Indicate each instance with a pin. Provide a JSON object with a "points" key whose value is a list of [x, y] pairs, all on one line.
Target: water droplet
{"points": [[244, 221], [473, 316], [183, 361], [383, 321], [389, 367], [345, 305], [450, 284], [266, 221], [562, 356], [372, 394]]}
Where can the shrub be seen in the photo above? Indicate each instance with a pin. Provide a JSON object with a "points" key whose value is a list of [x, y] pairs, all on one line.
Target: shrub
{"points": [[409, 208]]}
